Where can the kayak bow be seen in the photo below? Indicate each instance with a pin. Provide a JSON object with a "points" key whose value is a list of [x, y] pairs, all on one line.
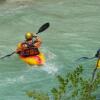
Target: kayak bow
{"points": [[34, 60]]}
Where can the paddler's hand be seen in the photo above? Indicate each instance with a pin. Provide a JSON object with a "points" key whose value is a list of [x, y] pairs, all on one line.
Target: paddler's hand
{"points": [[37, 42], [35, 36], [18, 51]]}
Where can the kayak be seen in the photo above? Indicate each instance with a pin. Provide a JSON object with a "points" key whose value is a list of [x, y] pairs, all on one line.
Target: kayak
{"points": [[98, 64], [34, 60]]}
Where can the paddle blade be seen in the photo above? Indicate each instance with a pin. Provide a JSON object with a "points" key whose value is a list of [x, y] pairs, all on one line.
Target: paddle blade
{"points": [[85, 58], [7, 55], [43, 27]]}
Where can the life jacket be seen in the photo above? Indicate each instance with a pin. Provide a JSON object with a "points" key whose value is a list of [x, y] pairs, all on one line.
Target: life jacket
{"points": [[28, 49]]}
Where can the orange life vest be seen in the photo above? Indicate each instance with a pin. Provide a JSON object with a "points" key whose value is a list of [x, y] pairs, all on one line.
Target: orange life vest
{"points": [[28, 50]]}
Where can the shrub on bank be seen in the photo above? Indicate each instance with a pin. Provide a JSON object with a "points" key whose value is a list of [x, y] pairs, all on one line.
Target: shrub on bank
{"points": [[73, 86]]}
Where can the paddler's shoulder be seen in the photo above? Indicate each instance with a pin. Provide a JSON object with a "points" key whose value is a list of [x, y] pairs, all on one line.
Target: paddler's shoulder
{"points": [[20, 44]]}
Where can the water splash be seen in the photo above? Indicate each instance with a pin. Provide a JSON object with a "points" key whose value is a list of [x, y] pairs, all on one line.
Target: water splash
{"points": [[50, 68]]}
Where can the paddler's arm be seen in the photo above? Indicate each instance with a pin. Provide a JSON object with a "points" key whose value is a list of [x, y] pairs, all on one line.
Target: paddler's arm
{"points": [[37, 42], [18, 51], [19, 48]]}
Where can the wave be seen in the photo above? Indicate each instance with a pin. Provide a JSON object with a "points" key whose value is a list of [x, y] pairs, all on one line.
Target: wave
{"points": [[12, 1], [9, 81], [6, 4], [20, 1]]}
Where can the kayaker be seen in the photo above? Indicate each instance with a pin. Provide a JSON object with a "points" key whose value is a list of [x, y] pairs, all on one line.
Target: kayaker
{"points": [[97, 55], [28, 50], [30, 46]]}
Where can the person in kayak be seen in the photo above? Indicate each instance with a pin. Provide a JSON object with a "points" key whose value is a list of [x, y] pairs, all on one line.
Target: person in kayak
{"points": [[30, 46], [97, 55]]}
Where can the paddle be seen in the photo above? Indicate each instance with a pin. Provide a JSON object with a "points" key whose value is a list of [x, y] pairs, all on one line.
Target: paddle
{"points": [[41, 29], [93, 74], [8, 55], [87, 58]]}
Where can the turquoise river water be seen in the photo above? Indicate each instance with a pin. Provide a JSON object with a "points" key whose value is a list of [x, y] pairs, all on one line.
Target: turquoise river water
{"points": [[74, 32]]}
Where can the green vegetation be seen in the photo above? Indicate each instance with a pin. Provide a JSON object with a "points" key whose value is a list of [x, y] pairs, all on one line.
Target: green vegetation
{"points": [[38, 96], [73, 86]]}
